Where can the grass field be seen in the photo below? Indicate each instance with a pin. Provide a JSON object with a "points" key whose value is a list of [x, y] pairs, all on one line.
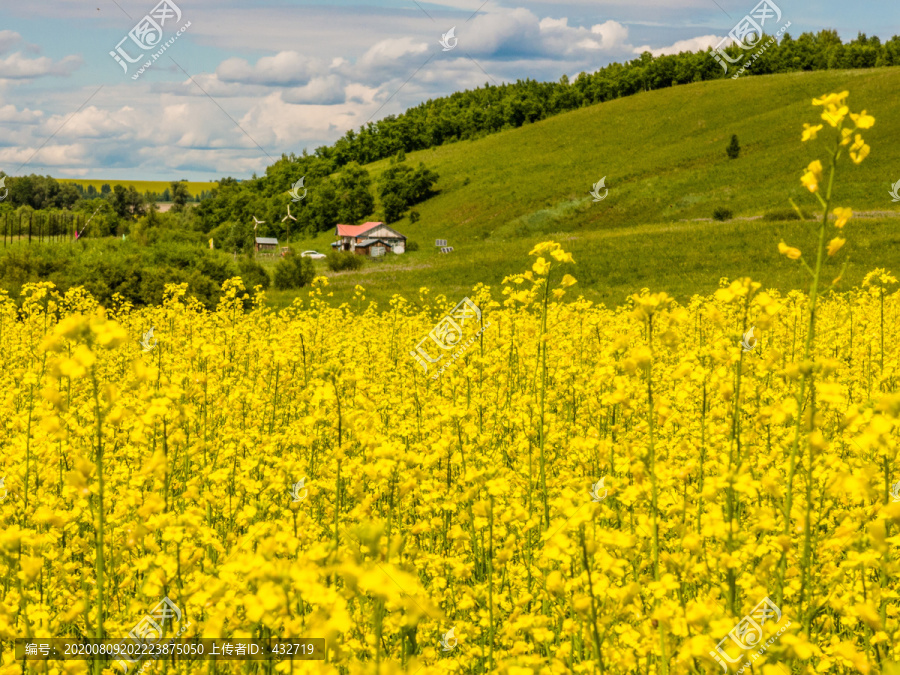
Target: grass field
{"points": [[142, 186], [683, 258], [663, 156]]}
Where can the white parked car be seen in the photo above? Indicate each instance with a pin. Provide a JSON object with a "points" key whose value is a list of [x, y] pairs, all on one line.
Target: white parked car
{"points": [[315, 255]]}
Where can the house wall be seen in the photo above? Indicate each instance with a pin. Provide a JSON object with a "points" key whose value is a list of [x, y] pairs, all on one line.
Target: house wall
{"points": [[381, 233]]}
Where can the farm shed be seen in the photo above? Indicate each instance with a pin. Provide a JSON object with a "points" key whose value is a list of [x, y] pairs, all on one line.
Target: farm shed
{"points": [[266, 245]]}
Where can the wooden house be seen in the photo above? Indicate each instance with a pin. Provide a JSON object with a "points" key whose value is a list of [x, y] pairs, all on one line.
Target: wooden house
{"points": [[266, 245], [368, 238]]}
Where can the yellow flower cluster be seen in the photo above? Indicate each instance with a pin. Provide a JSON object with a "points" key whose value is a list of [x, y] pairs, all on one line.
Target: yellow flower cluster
{"points": [[473, 502], [835, 112]]}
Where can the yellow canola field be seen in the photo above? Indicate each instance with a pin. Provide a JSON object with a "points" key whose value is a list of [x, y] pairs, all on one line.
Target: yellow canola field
{"points": [[472, 502]]}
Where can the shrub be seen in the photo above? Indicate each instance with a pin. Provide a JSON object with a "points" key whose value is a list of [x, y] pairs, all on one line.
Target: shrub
{"points": [[293, 271], [414, 216], [722, 214], [734, 148], [253, 274], [412, 246], [343, 260], [781, 214], [393, 206]]}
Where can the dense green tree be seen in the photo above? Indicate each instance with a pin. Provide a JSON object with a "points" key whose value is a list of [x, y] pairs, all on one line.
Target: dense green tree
{"points": [[293, 271], [179, 195], [355, 200]]}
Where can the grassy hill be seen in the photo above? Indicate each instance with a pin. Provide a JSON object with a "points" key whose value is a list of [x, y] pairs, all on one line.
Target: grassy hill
{"points": [[663, 156]]}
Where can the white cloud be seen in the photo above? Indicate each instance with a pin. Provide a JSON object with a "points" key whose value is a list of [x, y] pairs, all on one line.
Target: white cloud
{"points": [[50, 155], [287, 68], [320, 91], [9, 113], [17, 67], [520, 33], [93, 122], [385, 56], [697, 44], [612, 34]]}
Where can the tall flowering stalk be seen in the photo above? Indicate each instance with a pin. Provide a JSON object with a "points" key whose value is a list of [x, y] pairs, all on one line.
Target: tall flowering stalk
{"points": [[646, 307], [89, 334], [835, 113], [542, 269]]}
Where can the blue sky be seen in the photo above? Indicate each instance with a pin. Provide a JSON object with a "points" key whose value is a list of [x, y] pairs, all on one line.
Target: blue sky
{"points": [[240, 83]]}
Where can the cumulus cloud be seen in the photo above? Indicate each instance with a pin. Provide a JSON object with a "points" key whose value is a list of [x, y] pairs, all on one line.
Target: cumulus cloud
{"points": [[10, 114], [56, 155], [697, 44], [319, 91], [93, 122], [18, 67], [387, 58], [287, 68]]}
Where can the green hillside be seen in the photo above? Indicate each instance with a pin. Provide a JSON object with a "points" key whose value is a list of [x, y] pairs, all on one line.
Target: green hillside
{"points": [[663, 156]]}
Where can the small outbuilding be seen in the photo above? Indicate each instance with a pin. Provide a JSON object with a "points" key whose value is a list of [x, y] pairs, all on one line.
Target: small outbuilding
{"points": [[266, 245]]}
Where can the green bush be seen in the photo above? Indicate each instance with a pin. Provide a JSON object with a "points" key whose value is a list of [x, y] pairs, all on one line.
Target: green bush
{"points": [[412, 246], [414, 216], [253, 274], [338, 261], [734, 148], [293, 271], [722, 214], [393, 206], [781, 214], [105, 267]]}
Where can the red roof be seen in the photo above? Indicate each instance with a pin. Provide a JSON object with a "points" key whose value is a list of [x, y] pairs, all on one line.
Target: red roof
{"points": [[356, 230]]}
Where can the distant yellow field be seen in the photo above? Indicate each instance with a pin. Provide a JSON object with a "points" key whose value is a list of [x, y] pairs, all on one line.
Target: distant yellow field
{"points": [[194, 187]]}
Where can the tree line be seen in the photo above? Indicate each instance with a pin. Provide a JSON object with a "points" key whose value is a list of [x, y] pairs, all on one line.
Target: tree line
{"points": [[45, 192]]}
